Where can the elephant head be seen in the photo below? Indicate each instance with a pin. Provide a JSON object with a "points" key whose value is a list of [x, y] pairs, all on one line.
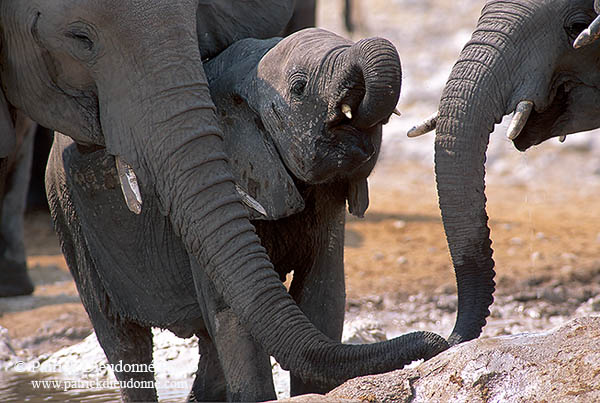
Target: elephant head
{"points": [[322, 101], [127, 75], [520, 58]]}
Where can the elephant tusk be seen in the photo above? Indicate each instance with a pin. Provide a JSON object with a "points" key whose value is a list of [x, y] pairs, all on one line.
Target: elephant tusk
{"points": [[428, 125], [397, 112], [129, 186], [562, 139], [519, 120], [588, 35], [250, 201], [347, 110]]}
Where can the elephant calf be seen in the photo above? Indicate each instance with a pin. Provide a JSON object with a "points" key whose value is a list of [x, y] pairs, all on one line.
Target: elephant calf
{"points": [[302, 120]]}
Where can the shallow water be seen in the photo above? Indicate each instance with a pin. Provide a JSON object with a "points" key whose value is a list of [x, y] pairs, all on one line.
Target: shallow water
{"points": [[45, 387], [48, 387]]}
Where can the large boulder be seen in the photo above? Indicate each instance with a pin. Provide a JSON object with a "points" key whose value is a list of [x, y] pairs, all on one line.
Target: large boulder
{"points": [[561, 365]]}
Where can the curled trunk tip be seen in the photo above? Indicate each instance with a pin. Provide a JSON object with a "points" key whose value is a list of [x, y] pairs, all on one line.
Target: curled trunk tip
{"points": [[379, 62]]}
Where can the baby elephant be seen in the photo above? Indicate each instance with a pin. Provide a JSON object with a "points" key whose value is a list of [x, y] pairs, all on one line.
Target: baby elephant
{"points": [[302, 120]]}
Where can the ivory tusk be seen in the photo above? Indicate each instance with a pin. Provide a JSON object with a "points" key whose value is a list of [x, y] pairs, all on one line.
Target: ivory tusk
{"points": [[129, 186], [347, 110], [428, 125], [519, 120], [250, 201], [562, 139], [397, 112], [588, 35]]}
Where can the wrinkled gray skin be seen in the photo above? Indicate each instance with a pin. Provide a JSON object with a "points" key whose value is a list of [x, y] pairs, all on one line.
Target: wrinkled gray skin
{"points": [[519, 51], [295, 152]]}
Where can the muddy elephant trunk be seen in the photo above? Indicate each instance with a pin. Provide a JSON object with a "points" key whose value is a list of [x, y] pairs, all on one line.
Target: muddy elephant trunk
{"points": [[379, 63], [479, 92]]}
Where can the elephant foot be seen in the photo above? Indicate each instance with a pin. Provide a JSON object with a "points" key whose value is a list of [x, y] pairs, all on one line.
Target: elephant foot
{"points": [[14, 280]]}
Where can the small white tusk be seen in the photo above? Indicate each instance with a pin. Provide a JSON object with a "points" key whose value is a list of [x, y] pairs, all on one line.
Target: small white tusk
{"points": [[129, 186], [428, 125], [397, 112], [588, 35], [562, 139], [250, 201], [347, 110], [519, 120]]}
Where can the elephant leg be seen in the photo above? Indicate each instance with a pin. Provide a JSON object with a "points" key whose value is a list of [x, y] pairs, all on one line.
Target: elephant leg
{"points": [[14, 279], [123, 341], [247, 368], [321, 294], [209, 384]]}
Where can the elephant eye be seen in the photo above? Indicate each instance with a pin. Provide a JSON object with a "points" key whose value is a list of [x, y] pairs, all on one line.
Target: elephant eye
{"points": [[298, 87], [81, 37]]}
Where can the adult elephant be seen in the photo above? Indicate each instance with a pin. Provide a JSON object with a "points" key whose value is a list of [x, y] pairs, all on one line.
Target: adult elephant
{"points": [[301, 144], [520, 58], [127, 76]]}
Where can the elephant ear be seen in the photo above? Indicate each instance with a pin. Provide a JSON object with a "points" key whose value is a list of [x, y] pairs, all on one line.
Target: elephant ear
{"points": [[221, 23], [255, 161]]}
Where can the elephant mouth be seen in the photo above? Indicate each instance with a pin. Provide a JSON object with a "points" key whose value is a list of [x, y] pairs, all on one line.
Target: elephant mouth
{"points": [[573, 108], [344, 153], [545, 124], [357, 149]]}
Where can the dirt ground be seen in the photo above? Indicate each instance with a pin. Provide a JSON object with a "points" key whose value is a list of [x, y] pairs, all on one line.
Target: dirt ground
{"points": [[398, 250]]}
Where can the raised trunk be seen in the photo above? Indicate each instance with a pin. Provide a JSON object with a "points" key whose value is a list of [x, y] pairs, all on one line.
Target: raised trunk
{"points": [[178, 149], [379, 63], [478, 94]]}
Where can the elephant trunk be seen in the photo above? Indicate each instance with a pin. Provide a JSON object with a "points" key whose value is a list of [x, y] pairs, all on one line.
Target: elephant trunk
{"points": [[208, 215], [480, 91], [378, 61], [176, 147]]}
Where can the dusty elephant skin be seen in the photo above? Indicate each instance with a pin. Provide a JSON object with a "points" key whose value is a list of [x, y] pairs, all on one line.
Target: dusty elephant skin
{"points": [[562, 365], [302, 119], [520, 57]]}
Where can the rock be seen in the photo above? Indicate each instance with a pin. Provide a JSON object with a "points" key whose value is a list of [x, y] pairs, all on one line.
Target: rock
{"points": [[378, 256], [399, 224], [317, 399], [559, 365], [516, 241]]}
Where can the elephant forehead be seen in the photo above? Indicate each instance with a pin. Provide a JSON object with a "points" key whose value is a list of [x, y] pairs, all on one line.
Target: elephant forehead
{"points": [[304, 49]]}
